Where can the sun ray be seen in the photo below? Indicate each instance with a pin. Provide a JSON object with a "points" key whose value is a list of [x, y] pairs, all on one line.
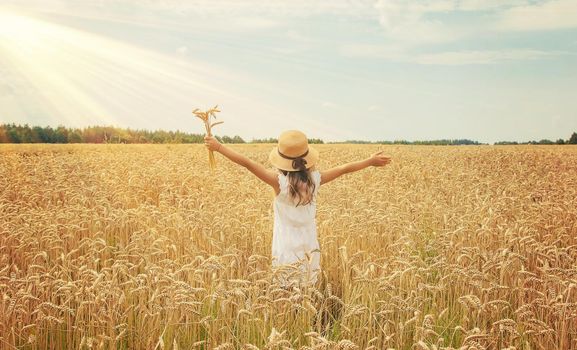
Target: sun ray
{"points": [[76, 71], [85, 79]]}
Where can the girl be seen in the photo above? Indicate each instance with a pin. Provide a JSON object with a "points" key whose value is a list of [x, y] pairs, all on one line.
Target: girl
{"points": [[296, 183]]}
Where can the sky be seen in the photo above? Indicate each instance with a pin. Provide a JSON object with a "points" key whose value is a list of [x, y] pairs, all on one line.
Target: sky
{"points": [[489, 70]]}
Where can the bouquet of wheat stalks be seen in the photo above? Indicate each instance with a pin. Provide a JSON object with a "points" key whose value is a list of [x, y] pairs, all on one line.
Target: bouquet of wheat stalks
{"points": [[205, 117]]}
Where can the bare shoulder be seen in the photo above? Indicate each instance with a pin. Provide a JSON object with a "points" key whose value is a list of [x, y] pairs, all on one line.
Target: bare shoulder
{"points": [[274, 174], [317, 172]]}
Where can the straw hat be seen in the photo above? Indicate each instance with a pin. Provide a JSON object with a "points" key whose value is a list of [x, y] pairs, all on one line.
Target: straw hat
{"points": [[293, 152]]}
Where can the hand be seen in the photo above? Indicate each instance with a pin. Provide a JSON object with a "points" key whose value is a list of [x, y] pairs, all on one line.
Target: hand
{"points": [[377, 159], [211, 143]]}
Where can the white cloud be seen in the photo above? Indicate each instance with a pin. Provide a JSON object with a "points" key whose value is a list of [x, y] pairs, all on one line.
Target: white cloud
{"points": [[300, 8], [447, 57], [407, 26], [285, 50], [488, 5], [255, 23], [551, 15], [413, 23], [373, 108], [483, 57], [328, 104], [406, 21], [371, 51], [297, 36]]}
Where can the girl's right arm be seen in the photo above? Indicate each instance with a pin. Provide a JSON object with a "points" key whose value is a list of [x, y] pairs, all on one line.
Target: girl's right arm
{"points": [[265, 175], [377, 159]]}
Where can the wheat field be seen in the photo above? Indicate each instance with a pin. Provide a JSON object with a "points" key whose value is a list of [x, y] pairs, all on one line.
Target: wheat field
{"points": [[143, 247]]}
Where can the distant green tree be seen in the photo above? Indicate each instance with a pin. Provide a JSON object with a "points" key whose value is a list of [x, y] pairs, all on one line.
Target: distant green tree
{"points": [[158, 138], [25, 134], [317, 141], [38, 135], [61, 134], [237, 139], [226, 139], [3, 135], [269, 140], [506, 143], [75, 136], [12, 133], [560, 142]]}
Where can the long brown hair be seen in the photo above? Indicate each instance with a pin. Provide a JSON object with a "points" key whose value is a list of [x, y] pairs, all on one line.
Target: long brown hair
{"points": [[301, 185]]}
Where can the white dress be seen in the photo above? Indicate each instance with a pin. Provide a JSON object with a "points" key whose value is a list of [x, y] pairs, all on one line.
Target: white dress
{"points": [[294, 240]]}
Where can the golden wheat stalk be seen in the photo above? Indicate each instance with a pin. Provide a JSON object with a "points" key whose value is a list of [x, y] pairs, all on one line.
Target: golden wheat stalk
{"points": [[205, 117], [436, 263]]}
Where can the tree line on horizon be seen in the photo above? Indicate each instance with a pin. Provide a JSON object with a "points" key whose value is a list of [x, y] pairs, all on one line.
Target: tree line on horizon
{"points": [[12, 133], [571, 141]]}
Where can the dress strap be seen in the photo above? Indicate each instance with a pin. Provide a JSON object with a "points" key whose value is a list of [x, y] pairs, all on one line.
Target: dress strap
{"points": [[316, 175], [282, 182]]}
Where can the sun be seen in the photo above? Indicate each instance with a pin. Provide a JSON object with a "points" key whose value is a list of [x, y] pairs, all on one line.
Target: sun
{"points": [[76, 74], [15, 28]]}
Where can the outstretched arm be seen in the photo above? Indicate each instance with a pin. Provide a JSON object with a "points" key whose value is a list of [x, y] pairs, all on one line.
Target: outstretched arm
{"points": [[267, 176], [377, 159]]}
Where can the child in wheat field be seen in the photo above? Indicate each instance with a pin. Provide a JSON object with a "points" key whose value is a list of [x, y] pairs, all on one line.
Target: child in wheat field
{"points": [[296, 183]]}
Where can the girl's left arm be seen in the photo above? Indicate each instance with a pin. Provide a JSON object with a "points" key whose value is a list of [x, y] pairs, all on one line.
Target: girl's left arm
{"points": [[377, 159], [267, 176]]}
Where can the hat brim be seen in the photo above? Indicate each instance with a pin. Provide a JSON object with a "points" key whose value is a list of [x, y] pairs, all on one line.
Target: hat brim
{"points": [[312, 158]]}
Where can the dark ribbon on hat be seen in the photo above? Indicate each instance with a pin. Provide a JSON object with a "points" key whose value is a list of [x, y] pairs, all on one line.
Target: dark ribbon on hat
{"points": [[298, 162]]}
